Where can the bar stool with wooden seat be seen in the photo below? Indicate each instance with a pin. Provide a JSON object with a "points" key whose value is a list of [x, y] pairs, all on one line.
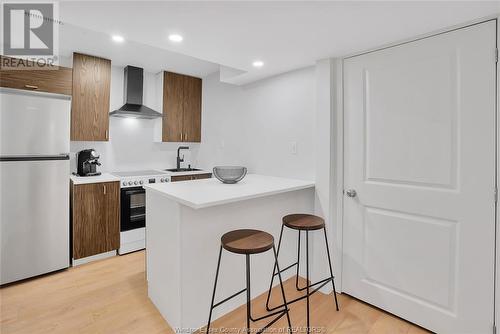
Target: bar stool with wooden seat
{"points": [[307, 223], [248, 242]]}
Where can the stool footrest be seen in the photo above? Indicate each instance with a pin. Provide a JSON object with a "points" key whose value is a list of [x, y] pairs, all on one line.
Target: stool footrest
{"points": [[311, 285], [285, 269], [281, 313], [268, 315], [325, 281], [228, 298]]}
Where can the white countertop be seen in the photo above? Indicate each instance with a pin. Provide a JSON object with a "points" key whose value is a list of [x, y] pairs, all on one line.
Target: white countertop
{"points": [[104, 177], [203, 193]]}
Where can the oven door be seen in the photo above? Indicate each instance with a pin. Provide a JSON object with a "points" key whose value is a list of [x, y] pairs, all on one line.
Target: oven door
{"points": [[133, 208]]}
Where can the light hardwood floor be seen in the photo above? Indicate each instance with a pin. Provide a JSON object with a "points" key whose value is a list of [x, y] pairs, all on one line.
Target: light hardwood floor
{"points": [[110, 296]]}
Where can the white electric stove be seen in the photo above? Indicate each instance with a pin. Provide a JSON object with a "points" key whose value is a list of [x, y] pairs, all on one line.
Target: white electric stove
{"points": [[133, 207]]}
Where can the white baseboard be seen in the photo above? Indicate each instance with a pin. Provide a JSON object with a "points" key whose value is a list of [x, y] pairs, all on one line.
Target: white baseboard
{"points": [[96, 257]]}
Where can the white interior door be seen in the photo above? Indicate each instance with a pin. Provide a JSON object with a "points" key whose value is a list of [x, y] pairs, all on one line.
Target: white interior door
{"points": [[420, 153]]}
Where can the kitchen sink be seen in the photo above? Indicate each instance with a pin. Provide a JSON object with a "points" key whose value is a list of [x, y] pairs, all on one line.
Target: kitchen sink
{"points": [[182, 170]]}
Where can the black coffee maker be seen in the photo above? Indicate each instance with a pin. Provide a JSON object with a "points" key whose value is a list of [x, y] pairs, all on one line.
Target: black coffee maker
{"points": [[87, 162]]}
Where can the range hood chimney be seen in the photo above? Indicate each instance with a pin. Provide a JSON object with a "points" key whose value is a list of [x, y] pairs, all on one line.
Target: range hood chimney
{"points": [[132, 95]]}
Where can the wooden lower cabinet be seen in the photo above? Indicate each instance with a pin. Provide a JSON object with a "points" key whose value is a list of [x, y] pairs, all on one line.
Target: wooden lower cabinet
{"points": [[190, 177], [95, 218]]}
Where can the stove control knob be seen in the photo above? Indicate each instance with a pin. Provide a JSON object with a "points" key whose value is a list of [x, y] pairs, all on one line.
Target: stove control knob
{"points": [[135, 182], [129, 183], [141, 182], [162, 180], [124, 183]]}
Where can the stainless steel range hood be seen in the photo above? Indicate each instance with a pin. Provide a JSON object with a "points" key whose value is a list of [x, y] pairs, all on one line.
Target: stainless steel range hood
{"points": [[132, 95]]}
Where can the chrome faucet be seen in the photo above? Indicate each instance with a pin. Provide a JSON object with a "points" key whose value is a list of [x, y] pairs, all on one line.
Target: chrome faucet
{"points": [[179, 159]]}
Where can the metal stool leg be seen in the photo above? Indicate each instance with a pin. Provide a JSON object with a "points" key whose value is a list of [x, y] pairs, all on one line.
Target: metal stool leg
{"points": [[282, 290], [307, 277], [215, 287], [268, 308], [298, 265], [331, 270], [248, 292], [279, 313], [274, 273]]}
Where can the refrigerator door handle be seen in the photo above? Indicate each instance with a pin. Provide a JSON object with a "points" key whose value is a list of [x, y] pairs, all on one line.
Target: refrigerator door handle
{"points": [[62, 156]]}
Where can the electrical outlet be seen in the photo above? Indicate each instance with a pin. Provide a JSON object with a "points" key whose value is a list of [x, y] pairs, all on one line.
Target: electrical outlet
{"points": [[293, 148]]}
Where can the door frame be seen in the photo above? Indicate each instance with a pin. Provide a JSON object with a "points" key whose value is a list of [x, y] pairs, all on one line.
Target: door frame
{"points": [[338, 151], [496, 308]]}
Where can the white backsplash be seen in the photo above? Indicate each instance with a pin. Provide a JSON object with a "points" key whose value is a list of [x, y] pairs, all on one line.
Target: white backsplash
{"points": [[131, 147]]}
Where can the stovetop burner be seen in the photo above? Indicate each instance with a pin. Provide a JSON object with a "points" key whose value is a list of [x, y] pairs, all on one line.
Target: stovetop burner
{"points": [[149, 172]]}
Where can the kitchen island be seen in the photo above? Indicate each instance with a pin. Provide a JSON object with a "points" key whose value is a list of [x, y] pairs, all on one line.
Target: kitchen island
{"points": [[185, 221]]}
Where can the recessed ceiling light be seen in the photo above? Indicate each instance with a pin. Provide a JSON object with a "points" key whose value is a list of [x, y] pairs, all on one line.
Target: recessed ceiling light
{"points": [[258, 63], [175, 38], [118, 38]]}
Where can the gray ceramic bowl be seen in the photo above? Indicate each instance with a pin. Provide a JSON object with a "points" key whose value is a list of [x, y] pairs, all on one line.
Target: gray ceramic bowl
{"points": [[230, 174]]}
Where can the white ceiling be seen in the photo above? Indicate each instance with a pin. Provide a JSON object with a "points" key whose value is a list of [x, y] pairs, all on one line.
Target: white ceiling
{"points": [[285, 34], [76, 39]]}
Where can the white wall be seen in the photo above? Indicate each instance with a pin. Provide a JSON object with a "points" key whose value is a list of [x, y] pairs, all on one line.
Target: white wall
{"points": [[130, 145], [256, 125]]}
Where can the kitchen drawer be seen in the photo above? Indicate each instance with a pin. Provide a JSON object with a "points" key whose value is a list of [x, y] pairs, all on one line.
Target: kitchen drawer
{"points": [[177, 178]]}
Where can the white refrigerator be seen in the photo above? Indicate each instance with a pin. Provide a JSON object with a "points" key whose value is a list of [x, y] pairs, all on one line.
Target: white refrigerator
{"points": [[34, 183]]}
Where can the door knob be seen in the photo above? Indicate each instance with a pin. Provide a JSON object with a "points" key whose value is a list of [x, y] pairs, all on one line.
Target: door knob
{"points": [[351, 193]]}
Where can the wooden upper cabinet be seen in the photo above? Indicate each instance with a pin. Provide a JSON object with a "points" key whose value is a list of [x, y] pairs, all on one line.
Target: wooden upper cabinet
{"points": [[95, 218], [55, 80], [192, 109], [181, 108], [173, 97], [90, 103]]}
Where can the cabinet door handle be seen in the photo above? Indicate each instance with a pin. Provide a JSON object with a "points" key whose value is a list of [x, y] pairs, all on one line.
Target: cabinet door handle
{"points": [[104, 188], [106, 134], [31, 86]]}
